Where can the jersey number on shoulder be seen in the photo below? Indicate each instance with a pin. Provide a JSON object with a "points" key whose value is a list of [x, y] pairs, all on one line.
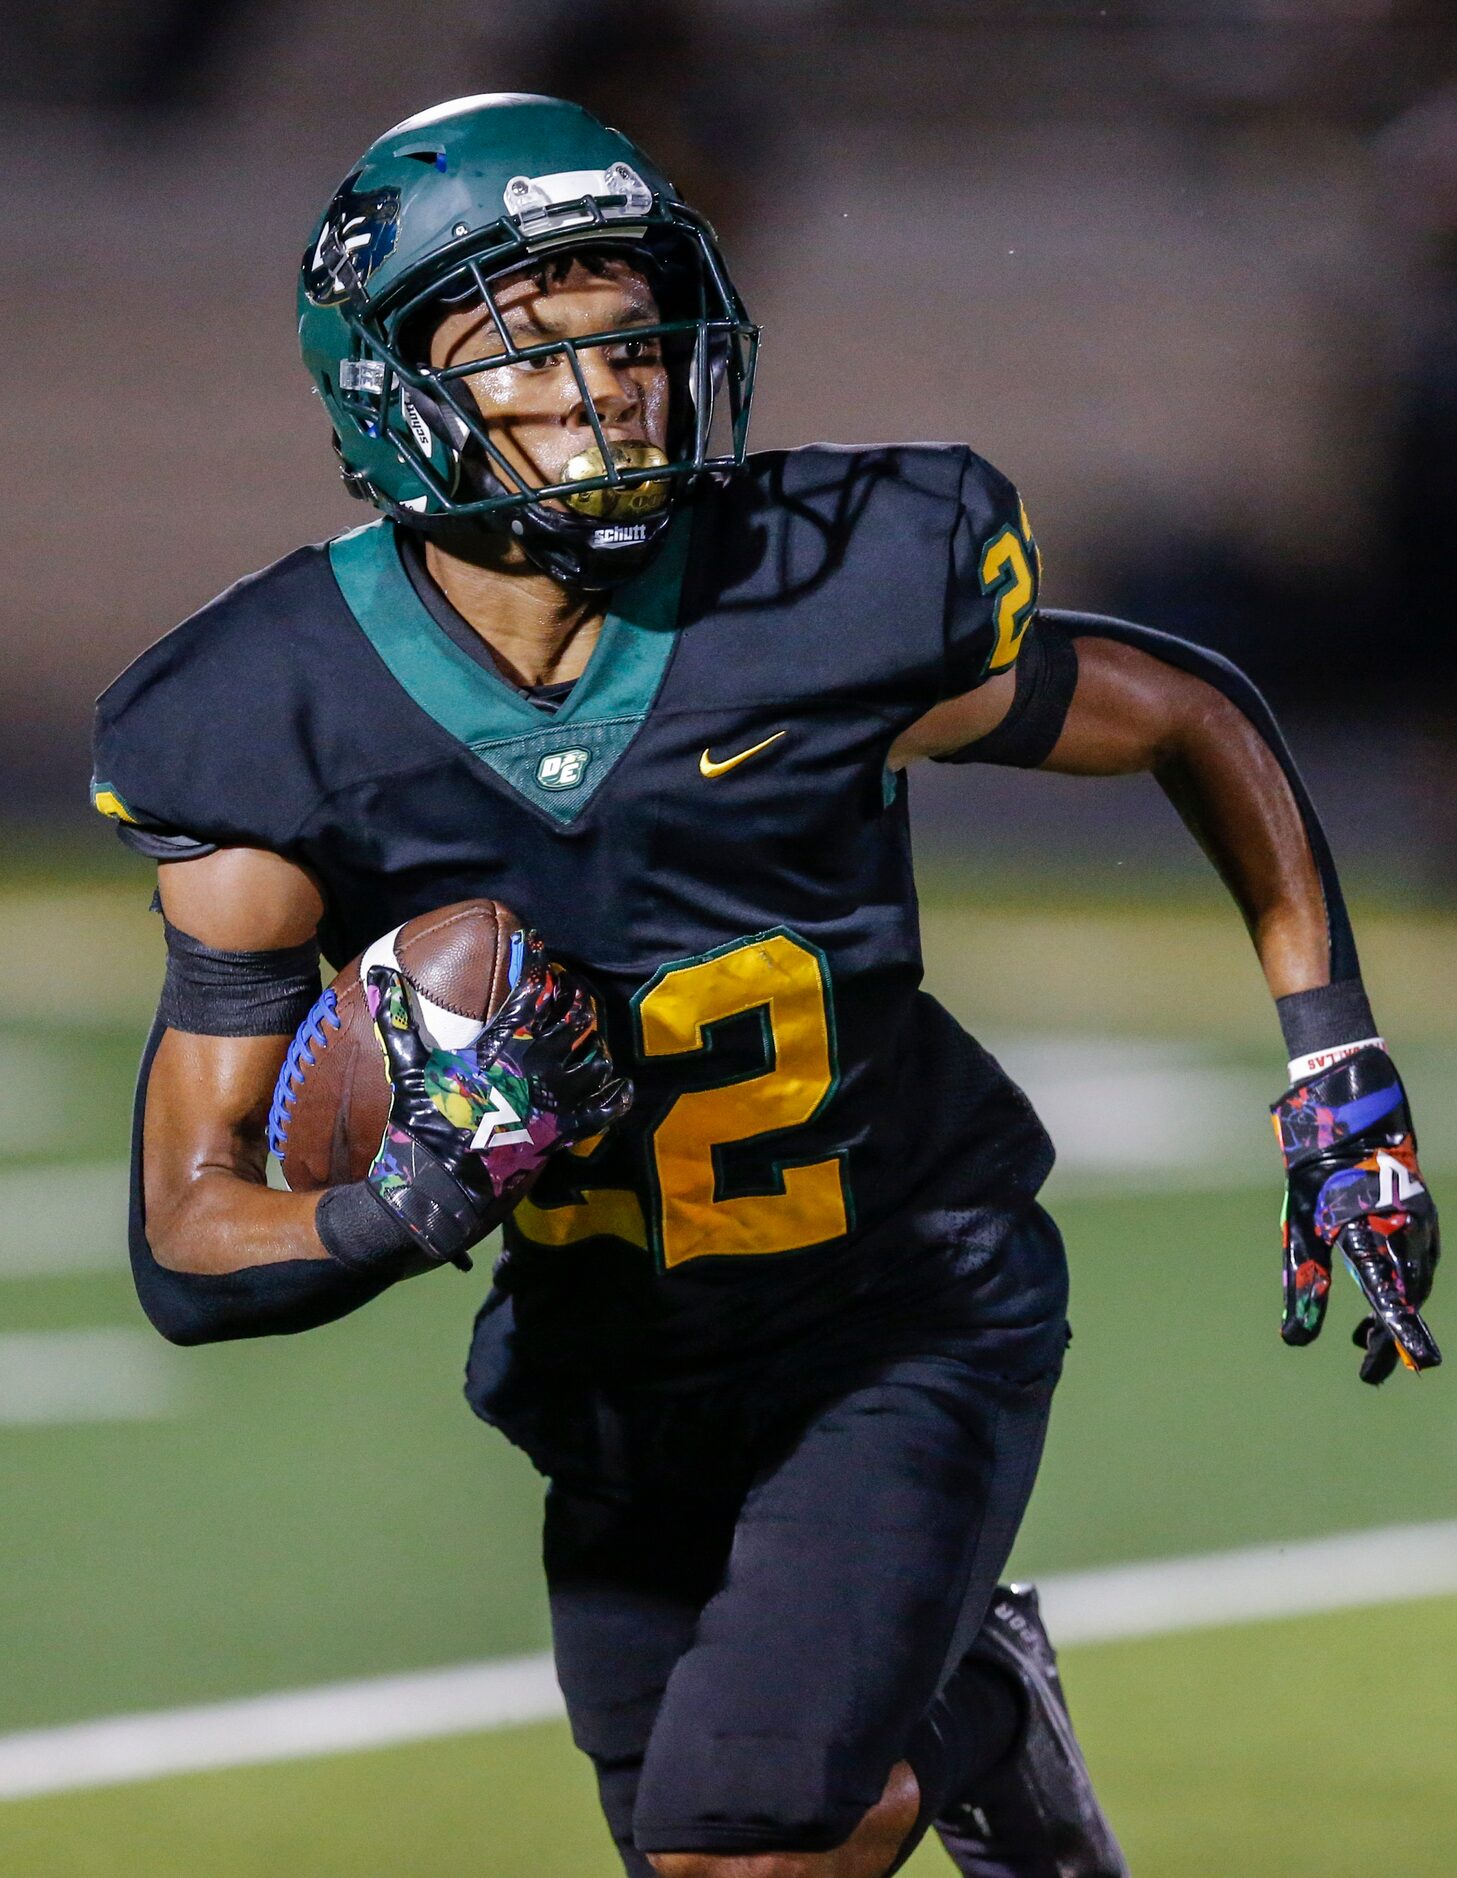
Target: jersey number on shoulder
{"points": [[784, 980], [1009, 570]]}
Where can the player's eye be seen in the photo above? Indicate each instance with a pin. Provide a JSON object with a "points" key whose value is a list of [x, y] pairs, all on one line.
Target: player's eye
{"points": [[639, 352], [543, 361]]}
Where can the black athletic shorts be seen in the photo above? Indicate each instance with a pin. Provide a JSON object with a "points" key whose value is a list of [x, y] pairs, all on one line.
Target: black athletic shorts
{"points": [[756, 1602]]}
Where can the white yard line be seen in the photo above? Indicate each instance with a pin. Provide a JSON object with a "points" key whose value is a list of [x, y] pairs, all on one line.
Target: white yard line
{"points": [[1388, 1566], [1347, 1570], [100, 1375], [339, 1718]]}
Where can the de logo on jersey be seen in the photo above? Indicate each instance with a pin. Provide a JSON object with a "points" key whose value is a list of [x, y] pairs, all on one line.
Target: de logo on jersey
{"points": [[563, 769]]}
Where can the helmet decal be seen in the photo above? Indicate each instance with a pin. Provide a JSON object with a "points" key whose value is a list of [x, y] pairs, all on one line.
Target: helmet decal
{"points": [[358, 234]]}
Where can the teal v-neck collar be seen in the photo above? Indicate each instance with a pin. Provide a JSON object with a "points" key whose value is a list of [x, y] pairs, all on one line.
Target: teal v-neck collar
{"points": [[557, 763]]}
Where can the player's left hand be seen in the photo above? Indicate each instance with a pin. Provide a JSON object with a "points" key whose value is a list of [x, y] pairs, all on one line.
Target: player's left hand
{"points": [[1353, 1185], [469, 1129]]}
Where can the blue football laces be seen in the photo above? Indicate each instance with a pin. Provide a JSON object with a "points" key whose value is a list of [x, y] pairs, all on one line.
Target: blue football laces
{"points": [[308, 1038]]}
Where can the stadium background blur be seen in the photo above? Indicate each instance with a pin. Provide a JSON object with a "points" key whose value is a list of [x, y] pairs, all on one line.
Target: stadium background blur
{"points": [[1189, 274]]}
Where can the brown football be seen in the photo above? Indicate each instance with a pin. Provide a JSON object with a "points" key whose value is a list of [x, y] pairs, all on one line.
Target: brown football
{"points": [[333, 1093]]}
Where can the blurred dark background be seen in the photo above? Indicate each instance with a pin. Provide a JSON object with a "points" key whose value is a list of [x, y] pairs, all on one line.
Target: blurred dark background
{"points": [[1188, 272]]}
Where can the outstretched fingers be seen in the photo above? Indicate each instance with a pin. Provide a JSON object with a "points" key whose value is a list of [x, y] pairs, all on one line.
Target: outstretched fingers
{"points": [[1395, 1316], [1307, 1285]]}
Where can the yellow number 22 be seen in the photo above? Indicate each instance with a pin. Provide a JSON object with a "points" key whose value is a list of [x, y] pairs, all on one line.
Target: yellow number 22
{"points": [[785, 981], [784, 978], [1009, 567]]}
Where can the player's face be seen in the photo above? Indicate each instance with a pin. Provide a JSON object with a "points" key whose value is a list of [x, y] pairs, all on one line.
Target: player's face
{"points": [[535, 409]]}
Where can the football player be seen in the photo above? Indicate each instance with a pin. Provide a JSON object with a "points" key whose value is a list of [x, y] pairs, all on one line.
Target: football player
{"points": [[784, 1335]]}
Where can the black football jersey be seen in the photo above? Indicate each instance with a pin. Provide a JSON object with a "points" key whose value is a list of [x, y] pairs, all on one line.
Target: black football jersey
{"points": [[706, 827]]}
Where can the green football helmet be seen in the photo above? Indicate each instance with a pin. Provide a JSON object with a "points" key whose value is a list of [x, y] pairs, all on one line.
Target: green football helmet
{"points": [[434, 212]]}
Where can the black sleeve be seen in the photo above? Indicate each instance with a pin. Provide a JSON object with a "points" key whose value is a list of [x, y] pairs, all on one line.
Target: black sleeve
{"points": [[1047, 676], [217, 1307], [1228, 679]]}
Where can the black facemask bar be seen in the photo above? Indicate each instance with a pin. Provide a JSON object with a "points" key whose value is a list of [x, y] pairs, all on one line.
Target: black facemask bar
{"points": [[720, 342]]}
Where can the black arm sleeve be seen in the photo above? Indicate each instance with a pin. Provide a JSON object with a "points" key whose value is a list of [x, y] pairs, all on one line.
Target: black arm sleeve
{"points": [[1047, 676], [1345, 967], [259, 1301], [237, 994]]}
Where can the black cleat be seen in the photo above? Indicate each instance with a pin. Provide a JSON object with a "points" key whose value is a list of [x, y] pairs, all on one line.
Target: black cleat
{"points": [[1035, 1815]]}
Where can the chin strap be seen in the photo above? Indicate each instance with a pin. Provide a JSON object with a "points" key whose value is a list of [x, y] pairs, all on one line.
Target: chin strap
{"points": [[592, 556]]}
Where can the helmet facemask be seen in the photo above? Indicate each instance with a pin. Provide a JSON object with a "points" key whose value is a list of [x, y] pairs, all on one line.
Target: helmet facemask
{"points": [[607, 512]]}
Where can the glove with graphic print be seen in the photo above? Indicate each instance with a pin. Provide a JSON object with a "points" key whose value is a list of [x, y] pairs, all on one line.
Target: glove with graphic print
{"points": [[1353, 1186], [469, 1130]]}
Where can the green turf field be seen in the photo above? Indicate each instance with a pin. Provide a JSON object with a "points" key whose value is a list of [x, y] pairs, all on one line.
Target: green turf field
{"points": [[281, 1514], [1284, 1750]]}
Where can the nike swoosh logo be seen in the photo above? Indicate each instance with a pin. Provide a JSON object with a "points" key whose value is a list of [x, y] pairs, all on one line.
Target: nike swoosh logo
{"points": [[707, 766]]}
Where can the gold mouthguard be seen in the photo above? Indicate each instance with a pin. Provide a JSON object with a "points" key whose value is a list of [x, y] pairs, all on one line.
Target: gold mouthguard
{"points": [[611, 505]]}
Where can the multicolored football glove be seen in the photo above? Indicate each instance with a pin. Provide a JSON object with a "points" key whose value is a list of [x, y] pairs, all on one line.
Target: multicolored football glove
{"points": [[1353, 1186], [470, 1129]]}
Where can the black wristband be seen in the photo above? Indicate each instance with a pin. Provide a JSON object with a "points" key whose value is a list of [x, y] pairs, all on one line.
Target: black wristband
{"points": [[359, 1230], [1325, 1017]]}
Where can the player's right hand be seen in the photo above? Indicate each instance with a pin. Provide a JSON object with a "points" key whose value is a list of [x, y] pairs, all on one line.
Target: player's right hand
{"points": [[469, 1129], [1353, 1186]]}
